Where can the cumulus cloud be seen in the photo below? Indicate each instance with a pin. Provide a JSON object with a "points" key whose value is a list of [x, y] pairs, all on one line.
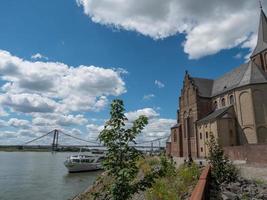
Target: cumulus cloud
{"points": [[148, 112], [94, 130], [19, 123], [58, 120], [51, 95], [209, 25], [51, 86], [159, 84], [157, 127]]}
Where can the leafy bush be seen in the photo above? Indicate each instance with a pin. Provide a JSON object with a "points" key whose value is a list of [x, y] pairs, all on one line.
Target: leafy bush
{"points": [[222, 168], [121, 160], [176, 182]]}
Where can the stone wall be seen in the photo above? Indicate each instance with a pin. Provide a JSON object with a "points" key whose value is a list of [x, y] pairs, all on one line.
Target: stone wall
{"points": [[252, 153]]}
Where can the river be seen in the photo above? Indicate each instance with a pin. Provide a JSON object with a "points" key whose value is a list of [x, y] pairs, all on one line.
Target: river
{"points": [[39, 176]]}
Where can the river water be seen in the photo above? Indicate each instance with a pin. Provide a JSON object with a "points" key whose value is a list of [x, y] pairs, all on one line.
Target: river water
{"points": [[39, 176]]}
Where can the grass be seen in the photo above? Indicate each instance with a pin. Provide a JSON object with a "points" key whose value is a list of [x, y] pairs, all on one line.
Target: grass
{"points": [[173, 186]]}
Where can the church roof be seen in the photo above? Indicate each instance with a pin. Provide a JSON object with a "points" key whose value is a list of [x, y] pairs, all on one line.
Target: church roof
{"points": [[215, 114], [262, 35], [204, 86], [245, 74], [248, 73]]}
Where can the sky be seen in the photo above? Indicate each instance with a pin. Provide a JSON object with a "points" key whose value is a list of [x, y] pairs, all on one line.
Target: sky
{"points": [[62, 62]]}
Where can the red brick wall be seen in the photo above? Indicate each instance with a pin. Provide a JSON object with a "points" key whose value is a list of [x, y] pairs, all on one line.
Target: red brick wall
{"points": [[168, 149], [252, 153]]}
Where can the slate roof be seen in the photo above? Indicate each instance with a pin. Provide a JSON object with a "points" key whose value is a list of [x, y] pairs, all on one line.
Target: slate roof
{"points": [[245, 74], [215, 114], [204, 86], [262, 35]]}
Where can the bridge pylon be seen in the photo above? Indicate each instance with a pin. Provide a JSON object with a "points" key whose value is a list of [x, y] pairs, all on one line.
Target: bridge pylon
{"points": [[55, 140]]}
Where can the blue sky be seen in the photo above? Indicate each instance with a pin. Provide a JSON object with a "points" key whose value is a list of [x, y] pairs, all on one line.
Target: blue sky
{"points": [[89, 33]]}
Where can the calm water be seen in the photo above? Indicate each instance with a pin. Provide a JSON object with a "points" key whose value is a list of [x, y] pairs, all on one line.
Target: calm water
{"points": [[39, 176]]}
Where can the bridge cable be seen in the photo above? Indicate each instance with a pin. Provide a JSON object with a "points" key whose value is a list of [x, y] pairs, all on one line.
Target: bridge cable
{"points": [[39, 137], [77, 138]]}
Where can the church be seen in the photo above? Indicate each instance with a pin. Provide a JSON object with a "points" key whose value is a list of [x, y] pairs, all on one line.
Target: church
{"points": [[233, 107]]}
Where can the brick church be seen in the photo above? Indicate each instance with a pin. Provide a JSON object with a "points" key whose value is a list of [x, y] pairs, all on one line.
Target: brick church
{"points": [[233, 107]]}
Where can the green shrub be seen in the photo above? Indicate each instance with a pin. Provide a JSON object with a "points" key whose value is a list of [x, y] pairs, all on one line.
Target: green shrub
{"points": [[122, 158], [223, 169], [175, 183]]}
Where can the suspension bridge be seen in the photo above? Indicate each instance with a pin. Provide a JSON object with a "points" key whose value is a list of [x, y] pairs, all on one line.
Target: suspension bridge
{"points": [[149, 145]]}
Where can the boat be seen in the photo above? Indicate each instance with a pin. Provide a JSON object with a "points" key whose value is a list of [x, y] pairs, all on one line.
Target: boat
{"points": [[83, 163]]}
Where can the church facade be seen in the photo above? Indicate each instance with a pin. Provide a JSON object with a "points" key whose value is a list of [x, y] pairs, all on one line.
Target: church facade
{"points": [[233, 107]]}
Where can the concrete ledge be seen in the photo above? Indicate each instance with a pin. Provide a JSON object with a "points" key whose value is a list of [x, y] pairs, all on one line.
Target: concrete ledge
{"points": [[200, 191]]}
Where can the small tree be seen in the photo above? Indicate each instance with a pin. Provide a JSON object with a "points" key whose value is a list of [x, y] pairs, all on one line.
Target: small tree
{"points": [[120, 162], [222, 168]]}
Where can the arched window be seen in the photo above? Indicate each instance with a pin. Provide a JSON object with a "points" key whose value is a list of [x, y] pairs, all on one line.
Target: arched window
{"points": [[215, 105], [207, 135], [223, 102], [231, 99], [200, 136]]}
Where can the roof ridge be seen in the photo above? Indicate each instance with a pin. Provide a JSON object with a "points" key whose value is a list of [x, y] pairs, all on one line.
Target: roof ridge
{"points": [[202, 78], [245, 79], [232, 70], [220, 111]]}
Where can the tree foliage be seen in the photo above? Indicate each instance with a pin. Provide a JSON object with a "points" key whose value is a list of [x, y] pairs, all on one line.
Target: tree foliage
{"points": [[222, 168], [121, 159]]}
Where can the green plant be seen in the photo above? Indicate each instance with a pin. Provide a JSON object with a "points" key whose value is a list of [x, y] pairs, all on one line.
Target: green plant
{"points": [[222, 168], [121, 159], [175, 183]]}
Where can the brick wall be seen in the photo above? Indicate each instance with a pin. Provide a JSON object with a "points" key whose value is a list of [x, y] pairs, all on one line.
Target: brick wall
{"points": [[252, 153], [168, 149]]}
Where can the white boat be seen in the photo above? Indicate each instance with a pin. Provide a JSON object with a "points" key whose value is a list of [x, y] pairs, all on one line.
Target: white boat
{"points": [[82, 163]]}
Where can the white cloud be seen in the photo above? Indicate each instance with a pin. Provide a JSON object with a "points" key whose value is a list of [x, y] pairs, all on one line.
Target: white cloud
{"points": [[148, 96], [38, 56], [49, 86], [94, 130], [19, 123], [51, 95], [148, 112], [157, 126], [159, 84], [58, 120], [28, 103], [209, 25]]}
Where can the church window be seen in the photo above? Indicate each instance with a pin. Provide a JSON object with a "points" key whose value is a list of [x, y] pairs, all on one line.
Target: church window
{"points": [[215, 104], [207, 135], [231, 99], [201, 149], [200, 136], [223, 102]]}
